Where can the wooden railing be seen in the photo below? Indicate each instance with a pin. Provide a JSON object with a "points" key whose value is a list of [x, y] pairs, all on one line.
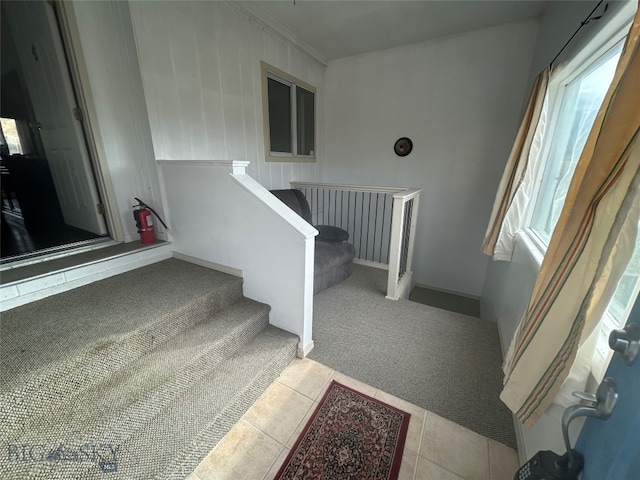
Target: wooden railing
{"points": [[380, 222]]}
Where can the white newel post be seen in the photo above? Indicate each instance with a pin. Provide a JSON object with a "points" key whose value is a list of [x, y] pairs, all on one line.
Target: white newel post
{"points": [[399, 285]]}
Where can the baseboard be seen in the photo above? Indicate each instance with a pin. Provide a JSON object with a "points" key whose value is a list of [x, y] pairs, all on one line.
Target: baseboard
{"points": [[206, 263], [444, 290], [303, 352], [369, 263]]}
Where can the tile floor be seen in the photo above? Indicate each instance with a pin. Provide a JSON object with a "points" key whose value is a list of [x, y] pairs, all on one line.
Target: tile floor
{"points": [[435, 449]]}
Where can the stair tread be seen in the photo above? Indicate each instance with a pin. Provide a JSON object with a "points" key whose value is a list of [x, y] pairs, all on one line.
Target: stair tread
{"points": [[173, 441], [63, 325], [159, 362], [150, 379]]}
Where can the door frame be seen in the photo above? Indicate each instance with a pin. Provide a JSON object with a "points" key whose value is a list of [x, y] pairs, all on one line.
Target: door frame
{"points": [[68, 28]]}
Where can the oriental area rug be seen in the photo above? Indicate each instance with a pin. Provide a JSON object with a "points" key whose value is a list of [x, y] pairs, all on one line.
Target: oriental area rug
{"points": [[350, 436]]}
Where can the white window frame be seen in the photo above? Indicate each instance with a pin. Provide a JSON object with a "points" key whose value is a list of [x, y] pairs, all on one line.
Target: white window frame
{"points": [[615, 31], [271, 72]]}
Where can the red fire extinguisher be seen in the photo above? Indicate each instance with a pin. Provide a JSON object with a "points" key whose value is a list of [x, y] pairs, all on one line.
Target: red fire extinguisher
{"points": [[144, 221]]}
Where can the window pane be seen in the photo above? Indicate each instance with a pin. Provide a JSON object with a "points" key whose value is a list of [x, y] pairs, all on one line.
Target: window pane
{"points": [[619, 308], [279, 116], [580, 104], [11, 136], [305, 115], [626, 286]]}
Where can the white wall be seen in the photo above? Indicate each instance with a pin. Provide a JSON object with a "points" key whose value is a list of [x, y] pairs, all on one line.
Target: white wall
{"points": [[235, 212], [458, 99], [200, 64], [108, 50]]}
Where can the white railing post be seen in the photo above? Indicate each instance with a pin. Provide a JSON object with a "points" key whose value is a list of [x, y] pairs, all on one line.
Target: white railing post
{"points": [[397, 220], [412, 233], [403, 236]]}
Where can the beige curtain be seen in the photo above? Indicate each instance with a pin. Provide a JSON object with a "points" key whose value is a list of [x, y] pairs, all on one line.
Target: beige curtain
{"points": [[503, 227], [589, 249]]}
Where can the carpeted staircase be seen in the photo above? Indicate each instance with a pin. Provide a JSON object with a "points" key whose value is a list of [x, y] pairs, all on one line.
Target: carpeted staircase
{"points": [[138, 375]]}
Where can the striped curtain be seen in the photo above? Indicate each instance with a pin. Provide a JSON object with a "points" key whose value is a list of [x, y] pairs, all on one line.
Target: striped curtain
{"points": [[589, 248], [511, 201]]}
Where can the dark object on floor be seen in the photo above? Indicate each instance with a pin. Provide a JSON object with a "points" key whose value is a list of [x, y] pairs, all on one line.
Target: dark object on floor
{"points": [[333, 256], [350, 435], [446, 301]]}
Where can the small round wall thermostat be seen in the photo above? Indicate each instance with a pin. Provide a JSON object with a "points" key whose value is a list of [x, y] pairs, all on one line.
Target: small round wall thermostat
{"points": [[403, 146]]}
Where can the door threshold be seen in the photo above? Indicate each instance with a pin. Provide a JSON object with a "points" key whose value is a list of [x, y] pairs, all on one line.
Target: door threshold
{"points": [[76, 259], [51, 253], [19, 286]]}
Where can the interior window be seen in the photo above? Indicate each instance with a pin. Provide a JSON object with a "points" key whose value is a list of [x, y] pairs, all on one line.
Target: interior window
{"points": [[305, 121], [289, 117], [280, 117]]}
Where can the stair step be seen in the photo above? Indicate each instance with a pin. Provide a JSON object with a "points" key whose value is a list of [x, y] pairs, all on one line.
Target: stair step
{"points": [[172, 442], [158, 363], [151, 380], [51, 344]]}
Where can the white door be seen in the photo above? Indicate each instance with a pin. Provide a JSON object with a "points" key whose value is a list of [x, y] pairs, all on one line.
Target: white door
{"points": [[36, 36]]}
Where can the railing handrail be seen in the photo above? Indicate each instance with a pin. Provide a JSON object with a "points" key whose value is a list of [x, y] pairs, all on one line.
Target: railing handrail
{"points": [[407, 194], [218, 214], [352, 188]]}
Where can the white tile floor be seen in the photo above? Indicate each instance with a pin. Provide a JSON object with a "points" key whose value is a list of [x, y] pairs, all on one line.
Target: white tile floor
{"points": [[435, 449]]}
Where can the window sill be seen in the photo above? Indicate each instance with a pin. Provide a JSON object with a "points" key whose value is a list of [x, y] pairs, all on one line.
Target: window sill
{"points": [[289, 158], [532, 245]]}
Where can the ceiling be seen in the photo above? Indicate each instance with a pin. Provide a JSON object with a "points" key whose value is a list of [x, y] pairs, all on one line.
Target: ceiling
{"points": [[337, 29]]}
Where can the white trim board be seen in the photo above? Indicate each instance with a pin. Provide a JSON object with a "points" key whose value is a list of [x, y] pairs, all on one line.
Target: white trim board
{"points": [[236, 272], [369, 263], [444, 290], [36, 288], [303, 352]]}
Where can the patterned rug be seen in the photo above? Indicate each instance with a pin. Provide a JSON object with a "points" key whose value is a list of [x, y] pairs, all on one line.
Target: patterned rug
{"points": [[350, 436]]}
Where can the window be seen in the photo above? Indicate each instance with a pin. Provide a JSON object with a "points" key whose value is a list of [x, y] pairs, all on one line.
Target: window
{"points": [[581, 100], [9, 130], [575, 97], [289, 117]]}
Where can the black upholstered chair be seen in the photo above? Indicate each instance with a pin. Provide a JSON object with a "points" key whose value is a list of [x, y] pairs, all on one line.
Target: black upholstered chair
{"points": [[333, 255]]}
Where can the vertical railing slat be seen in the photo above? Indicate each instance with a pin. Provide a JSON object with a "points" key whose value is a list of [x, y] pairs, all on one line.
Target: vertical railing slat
{"points": [[379, 238]]}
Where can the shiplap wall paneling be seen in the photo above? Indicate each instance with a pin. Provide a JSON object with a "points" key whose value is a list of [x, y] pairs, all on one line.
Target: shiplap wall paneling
{"points": [[109, 53], [200, 64]]}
